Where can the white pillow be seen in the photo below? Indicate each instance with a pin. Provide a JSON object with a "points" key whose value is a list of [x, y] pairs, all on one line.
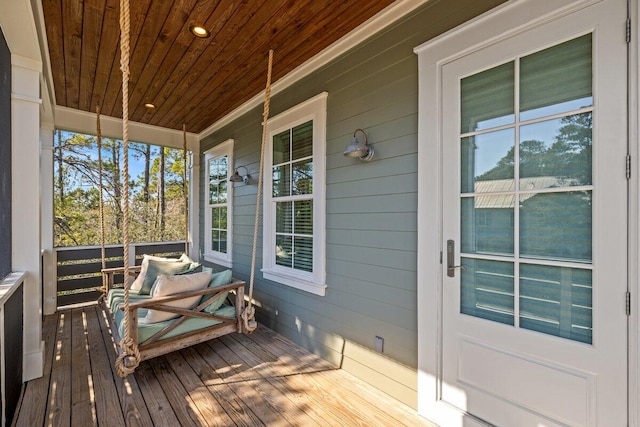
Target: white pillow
{"points": [[171, 285], [137, 284]]}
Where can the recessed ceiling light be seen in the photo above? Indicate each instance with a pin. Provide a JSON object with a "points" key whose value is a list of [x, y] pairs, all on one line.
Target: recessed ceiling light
{"points": [[149, 105], [199, 31]]}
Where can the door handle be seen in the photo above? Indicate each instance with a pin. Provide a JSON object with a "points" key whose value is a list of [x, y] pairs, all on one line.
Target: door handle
{"points": [[451, 268]]}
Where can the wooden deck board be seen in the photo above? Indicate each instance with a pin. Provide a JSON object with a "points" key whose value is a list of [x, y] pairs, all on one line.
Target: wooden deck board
{"points": [[162, 414], [179, 399], [280, 396], [59, 398], [134, 409], [210, 409], [247, 387], [293, 383], [206, 367], [83, 408], [236, 380], [36, 391], [351, 390], [105, 391], [334, 401]]}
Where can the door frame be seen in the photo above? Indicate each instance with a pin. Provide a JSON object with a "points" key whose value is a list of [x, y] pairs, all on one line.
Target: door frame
{"points": [[501, 23]]}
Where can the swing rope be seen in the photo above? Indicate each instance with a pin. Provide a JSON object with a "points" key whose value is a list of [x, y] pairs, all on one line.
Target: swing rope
{"points": [[101, 186], [184, 189], [248, 315], [129, 357]]}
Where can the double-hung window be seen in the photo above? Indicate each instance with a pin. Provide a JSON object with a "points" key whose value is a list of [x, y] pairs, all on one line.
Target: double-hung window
{"points": [[294, 197], [218, 204]]}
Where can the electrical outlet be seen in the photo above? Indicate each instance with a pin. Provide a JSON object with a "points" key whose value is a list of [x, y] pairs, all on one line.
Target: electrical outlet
{"points": [[379, 344]]}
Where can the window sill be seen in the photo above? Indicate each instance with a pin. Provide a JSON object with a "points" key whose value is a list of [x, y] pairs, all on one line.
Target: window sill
{"points": [[219, 261], [295, 282]]}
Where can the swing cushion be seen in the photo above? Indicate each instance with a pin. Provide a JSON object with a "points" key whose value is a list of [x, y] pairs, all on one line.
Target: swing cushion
{"points": [[190, 325], [171, 285], [166, 268], [217, 279], [137, 284], [115, 297]]}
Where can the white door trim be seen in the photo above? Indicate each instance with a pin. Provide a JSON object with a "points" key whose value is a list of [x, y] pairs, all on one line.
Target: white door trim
{"points": [[634, 216], [501, 23]]}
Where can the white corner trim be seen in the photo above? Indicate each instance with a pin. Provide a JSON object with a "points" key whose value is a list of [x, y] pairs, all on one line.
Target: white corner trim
{"points": [[83, 121], [33, 364], [373, 25], [25, 98], [50, 126], [47, 76], [26, 63], [18, 27]]}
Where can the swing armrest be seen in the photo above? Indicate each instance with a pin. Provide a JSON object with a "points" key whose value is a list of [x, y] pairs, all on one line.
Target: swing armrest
{"points": [[108, 275], [235, 285], [114, 270]]}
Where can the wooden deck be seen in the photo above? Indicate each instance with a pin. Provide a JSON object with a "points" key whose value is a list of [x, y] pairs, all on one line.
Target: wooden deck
{"points": [[245, 380]]}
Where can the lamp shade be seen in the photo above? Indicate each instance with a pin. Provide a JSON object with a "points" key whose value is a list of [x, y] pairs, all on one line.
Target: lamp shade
{"points": [[359, 149], [236, 177], [356, 149]]}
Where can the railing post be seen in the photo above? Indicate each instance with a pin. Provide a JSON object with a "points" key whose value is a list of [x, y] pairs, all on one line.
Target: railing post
{"points": [[50, 281], [132, 254]]}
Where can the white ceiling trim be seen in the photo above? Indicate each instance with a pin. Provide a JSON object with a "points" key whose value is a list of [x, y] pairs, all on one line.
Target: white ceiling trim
{"points": [[84, 122]]}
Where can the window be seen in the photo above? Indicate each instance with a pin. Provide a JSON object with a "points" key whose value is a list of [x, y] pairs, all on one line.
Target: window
{"points": [[294, 197], [156, 190], [218, 204]]}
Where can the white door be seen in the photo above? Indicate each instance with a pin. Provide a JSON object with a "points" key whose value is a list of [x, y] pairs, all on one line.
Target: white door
{"points": [[534, 208]]}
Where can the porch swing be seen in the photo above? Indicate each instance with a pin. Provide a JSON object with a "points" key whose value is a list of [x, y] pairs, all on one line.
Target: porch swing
{"points": [[178, 312]]}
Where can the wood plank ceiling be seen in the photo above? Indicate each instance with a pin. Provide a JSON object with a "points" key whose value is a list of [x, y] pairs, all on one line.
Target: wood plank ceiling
{"points": [[190, 80]]}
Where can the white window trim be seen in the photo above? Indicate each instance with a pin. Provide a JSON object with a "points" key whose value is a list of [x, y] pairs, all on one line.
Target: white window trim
{"points": [[313, 109], [223, 149]]}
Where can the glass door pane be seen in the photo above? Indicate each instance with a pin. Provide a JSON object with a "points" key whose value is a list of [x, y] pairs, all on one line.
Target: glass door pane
{"points": [[526, 192]]}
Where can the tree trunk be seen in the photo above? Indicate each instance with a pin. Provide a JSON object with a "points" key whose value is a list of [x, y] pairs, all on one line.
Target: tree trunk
{"points": [[161, 191], [60, 170], [147, 167], [117, 188]]}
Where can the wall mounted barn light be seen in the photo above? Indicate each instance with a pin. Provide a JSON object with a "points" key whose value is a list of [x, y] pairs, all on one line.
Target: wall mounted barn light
{"points": [[359, 149], [236, 177]]}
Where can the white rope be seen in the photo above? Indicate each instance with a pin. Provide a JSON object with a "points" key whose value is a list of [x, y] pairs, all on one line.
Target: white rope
{"points": [[129, 357], [248, 315]]}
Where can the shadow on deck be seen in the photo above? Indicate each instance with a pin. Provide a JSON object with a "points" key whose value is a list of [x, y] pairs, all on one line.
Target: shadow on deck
{"points": [[245, 380]]}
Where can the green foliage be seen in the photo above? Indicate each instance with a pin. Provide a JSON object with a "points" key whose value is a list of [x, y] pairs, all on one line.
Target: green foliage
{"points": [[76, 191], [567, 158]]}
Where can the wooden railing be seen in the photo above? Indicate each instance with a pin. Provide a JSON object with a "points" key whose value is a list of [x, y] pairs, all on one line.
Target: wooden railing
{"points": [[11, 344], [78, 268]]}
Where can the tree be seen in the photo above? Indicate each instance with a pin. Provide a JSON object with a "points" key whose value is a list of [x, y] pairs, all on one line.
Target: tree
{"points": [[76, 195], [568, 158]]}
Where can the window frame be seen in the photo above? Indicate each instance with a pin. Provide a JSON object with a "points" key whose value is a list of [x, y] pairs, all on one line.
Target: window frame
{"points": [[225, 259], [314, 109]]}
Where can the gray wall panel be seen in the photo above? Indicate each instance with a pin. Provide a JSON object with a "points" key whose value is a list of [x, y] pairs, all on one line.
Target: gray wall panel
{"points": [[371, 207]]}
